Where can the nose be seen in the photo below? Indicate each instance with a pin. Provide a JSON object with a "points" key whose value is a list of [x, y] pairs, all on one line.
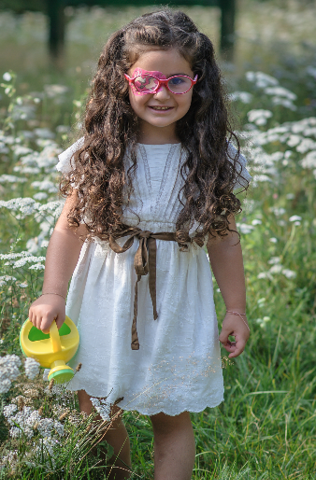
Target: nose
{"points": [[162, 93]]}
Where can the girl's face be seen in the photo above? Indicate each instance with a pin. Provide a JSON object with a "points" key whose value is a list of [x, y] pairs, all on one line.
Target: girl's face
{"points": [[160, 111]]}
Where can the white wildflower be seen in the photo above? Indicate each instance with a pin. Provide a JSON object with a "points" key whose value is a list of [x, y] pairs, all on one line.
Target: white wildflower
{"points": [[40, 196], [295, 218], [3, 148], [294, 140], [9, 410], [22, 285], [44, 133], [102, 407], [29, 170], [264, 275], [45, 185], [244, 97], [37, 266], [23, 112], [8, 139], [306, 145], [30, 160], [281, 92], [19, 150], [15, 432], [54, 208], [261, 178], [13, 256], [274, 260], [9, 371], [31, 367], [48, 156], [291, 196], [5, 279], [62, 129], [273, 240], [288, 273], [56, 390], [54, 90], [261, 80], [276, 269], [32, 245], [310, 160], [7, 77], [256, 221], [25, 204], [22, 261], [278, 211], [259, 117], [284, 102], [244, 228], [12, 179], [23, 422]]}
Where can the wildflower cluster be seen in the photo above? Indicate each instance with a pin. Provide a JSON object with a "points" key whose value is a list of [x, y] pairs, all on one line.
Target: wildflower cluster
{"points": [[9, 371]]}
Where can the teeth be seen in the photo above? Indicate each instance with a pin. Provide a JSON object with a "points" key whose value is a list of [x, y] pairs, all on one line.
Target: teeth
{"points": [[160, 108]]}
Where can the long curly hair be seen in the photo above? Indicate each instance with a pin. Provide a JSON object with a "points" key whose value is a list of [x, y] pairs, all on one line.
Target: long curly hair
{"points": [[111, 127]]}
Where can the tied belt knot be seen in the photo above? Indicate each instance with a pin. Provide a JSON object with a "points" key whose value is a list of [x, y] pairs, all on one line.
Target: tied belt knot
{"points": [[144, 263]]}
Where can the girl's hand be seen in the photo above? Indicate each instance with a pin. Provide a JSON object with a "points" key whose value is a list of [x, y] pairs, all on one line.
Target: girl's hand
{"points": [[237, 327], [45, 310]]}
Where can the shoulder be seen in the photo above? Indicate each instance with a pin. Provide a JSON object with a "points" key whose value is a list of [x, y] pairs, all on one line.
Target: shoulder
{"points": [[243, 177], [64, 164]]}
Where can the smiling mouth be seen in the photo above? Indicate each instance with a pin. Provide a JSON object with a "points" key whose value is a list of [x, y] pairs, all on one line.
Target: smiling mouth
{"points": [[160, 109]]}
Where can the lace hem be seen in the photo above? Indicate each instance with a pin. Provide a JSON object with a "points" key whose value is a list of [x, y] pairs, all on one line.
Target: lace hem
{"points": [[104, 407]]}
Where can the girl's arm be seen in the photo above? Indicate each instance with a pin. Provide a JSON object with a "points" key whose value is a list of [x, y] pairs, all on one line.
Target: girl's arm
{"points": [[227, 265], [61, 258]]}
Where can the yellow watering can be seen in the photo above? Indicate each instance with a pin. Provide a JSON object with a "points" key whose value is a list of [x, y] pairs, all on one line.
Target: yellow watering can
{"points": [[51, 350]]}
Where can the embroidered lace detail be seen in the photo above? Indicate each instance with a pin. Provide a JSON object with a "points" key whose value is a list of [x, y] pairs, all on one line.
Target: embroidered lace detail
{"points": [[146, 164], [164, 177]]}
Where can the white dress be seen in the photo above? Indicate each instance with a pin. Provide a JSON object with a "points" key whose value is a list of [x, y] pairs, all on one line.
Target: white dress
{"points": [[178, 365]]}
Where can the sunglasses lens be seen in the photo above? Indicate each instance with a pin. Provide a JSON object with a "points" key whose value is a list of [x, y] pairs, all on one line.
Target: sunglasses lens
{"points": [[145, 83], [179, 84]]}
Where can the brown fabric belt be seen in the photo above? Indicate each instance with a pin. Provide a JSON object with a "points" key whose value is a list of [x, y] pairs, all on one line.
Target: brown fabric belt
{"points": [[144, 263]]}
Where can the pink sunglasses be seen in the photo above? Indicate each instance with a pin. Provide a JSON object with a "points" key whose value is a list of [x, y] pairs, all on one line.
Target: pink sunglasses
{"points": [[150, 82]]}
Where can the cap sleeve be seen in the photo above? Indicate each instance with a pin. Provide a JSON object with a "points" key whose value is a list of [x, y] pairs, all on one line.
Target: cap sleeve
{"points": [[65, 165], [243, 178]]}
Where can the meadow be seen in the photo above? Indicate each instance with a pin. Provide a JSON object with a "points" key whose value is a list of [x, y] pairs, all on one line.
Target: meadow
{"points": [[266, 428]]}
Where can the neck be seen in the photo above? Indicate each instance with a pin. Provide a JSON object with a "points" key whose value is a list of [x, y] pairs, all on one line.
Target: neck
{"points": [[150, 135]]}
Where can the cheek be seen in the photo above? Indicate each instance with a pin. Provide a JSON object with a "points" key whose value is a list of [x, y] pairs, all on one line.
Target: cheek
{"points": [[186, 102], [136, 100]]}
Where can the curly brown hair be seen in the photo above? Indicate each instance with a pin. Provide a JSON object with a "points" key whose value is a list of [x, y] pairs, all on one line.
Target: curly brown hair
{"points": [[111, 126]]}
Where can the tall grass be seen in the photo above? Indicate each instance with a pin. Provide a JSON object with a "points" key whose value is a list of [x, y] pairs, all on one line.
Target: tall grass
{"points": [[265, 429]]}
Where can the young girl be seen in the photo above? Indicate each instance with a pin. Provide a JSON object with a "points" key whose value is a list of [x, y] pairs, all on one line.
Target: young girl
{"points": [[148, 186]]}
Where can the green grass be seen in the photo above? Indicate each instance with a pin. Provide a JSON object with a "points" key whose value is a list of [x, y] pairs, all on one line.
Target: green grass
{"points": [[265, 428]]}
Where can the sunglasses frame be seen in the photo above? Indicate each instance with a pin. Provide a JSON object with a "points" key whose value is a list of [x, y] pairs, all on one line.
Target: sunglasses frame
{"points": [[161, 81]]}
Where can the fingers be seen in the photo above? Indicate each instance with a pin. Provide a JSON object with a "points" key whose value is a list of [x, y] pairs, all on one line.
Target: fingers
{"points": [[234, 348], [42, 315], [238, 348]]}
